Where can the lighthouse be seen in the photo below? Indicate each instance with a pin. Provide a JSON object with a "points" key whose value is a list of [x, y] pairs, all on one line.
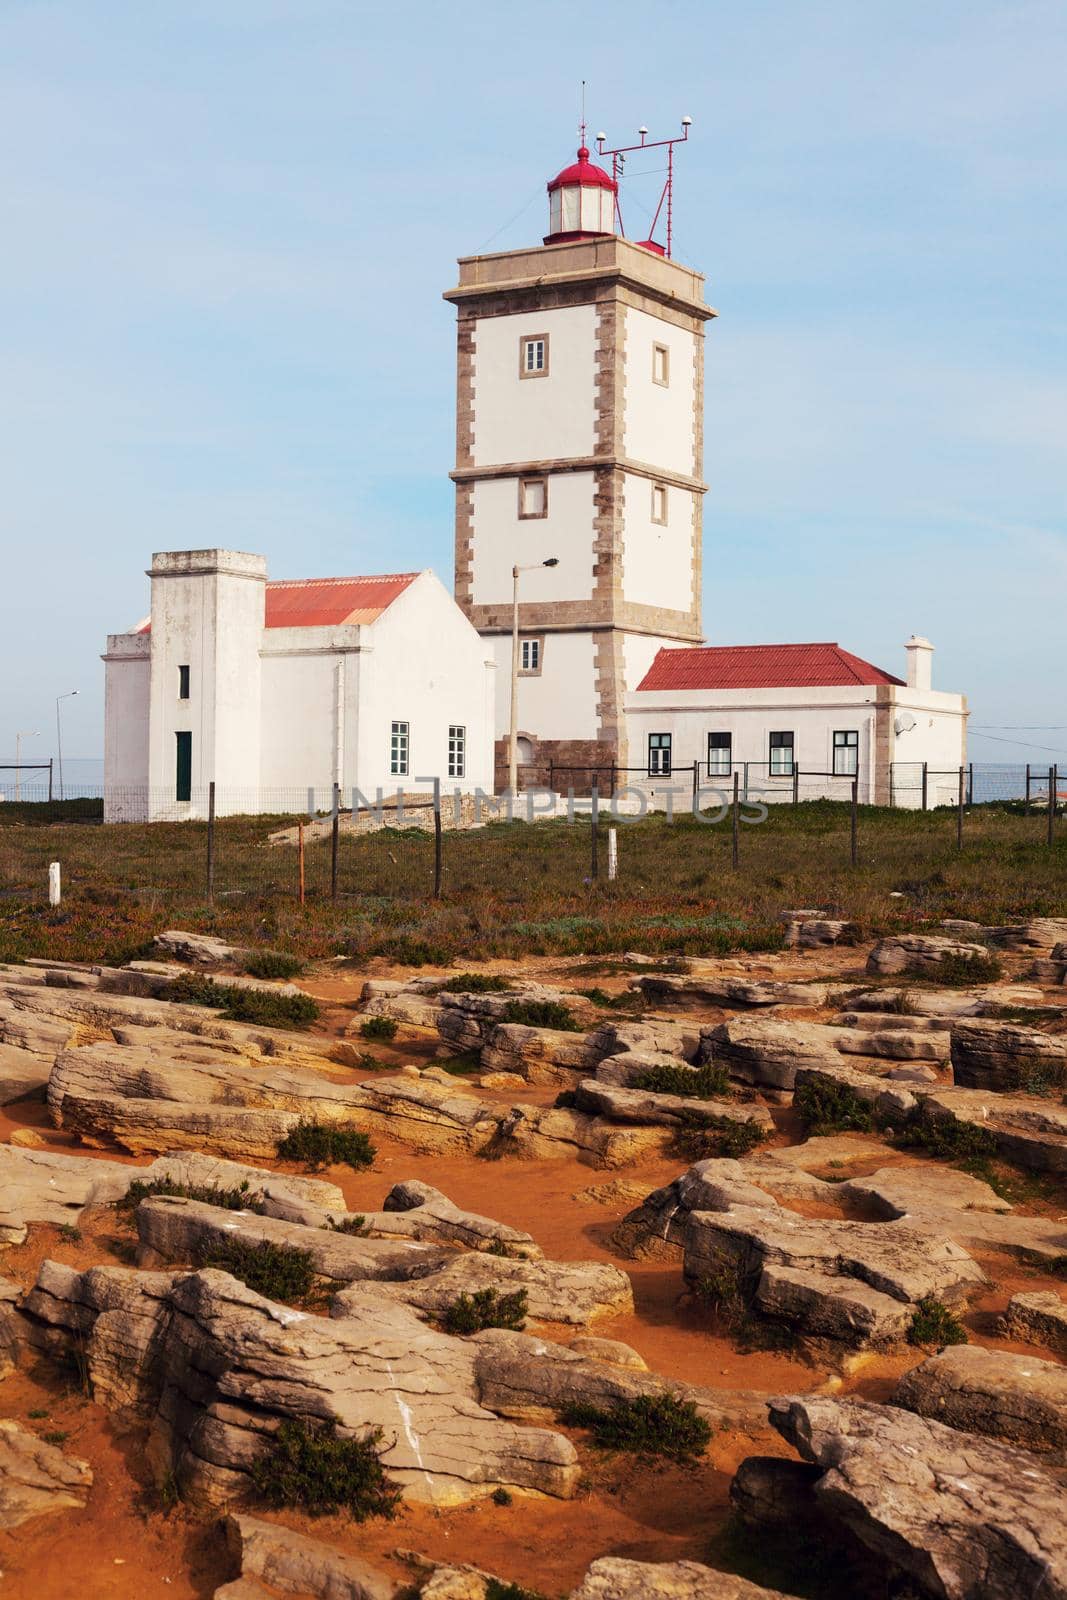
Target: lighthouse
{"points": [[579, 461]]}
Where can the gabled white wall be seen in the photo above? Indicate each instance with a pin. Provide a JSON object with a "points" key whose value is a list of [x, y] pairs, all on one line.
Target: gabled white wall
{"points": [[534, 419]]}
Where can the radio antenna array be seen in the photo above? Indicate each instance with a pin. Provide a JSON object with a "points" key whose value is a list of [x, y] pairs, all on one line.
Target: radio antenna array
{"points": [[618, 162]]}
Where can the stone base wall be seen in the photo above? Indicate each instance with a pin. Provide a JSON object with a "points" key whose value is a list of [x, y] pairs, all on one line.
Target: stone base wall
{"points": [[584, 754]]}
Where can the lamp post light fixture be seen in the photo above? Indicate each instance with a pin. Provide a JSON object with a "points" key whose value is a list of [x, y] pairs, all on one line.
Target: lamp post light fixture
{"points": [[25, 733], [513, 739], [59, 735]]}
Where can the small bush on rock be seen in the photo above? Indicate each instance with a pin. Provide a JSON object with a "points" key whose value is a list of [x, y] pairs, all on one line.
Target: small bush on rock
{"points": [[960, 972], [475, 983], [934, 1324], [831, 1108], [649, 1425], [236, 1198], [691, 1083], [261, 1007], [497, 1589], [541, 1014], [485, 1308], [354, 1224], [944, 1138], [311, 1469], [272, 964], [378, 1028], [702, 1138], [278, 1271], [324, 1144]]}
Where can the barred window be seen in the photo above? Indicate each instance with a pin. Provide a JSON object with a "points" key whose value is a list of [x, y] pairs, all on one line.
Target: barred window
{"points": [[781, 754], [530, 655], [399, 744], [659, 755], [846, 753], [720, 755], [457, 751]]}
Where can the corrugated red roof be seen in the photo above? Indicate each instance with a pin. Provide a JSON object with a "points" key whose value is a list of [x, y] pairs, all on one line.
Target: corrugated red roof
{"points": [[332, 602], [762, 666]]}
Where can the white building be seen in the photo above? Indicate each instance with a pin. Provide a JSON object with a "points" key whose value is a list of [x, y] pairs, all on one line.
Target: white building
{"points": [[275, 691]]}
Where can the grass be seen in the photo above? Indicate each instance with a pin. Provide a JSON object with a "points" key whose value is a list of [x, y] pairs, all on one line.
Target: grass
{"points": [[325, 1144], [511, 891], [57, 1437], [236, 1198], [831, 1108], [272, 964], [485, 1308], [310, 1468], [943, 1137], [355, 1224], [629, 1000], [1037, 1076], [264, 1008], [960, 972], [475, 983], [935, 1325], [703, 1138], [461, 1066], [276, 1271], [649, 1425], [689, 1083], [541, 1014], [383, 1028]]}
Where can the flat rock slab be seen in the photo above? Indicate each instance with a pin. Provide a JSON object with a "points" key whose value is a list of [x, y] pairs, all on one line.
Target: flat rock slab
{"points": [[1005, 1056], [728, 991], [575, 1292], [272, 1554], [1029, 1131], [203, 949], [766, 1051], [645, 1108], [920, 953], [1016, 1398], [962, 1517], [37, 1478], [895, 1044], [46, 1186], [1039, 1318], [613, 1578], [429, 1214], [22, 1072]]}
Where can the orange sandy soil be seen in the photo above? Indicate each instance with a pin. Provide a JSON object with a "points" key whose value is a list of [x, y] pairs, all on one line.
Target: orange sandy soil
{"points": [[124, 1545]]}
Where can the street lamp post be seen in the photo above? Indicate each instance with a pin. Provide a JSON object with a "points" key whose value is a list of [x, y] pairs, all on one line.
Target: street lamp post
{"points": [[19, 736], [513, 740], [59, 735]]}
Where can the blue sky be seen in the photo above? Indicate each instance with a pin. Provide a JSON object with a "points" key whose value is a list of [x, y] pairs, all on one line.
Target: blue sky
{"points": [[226, 227]]}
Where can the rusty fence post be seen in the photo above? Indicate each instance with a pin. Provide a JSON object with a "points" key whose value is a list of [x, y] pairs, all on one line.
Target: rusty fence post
{"points": [[959, 809], [854, 821]]}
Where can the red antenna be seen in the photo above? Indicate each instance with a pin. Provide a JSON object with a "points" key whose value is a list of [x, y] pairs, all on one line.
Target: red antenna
{"points": [[618, 162]]}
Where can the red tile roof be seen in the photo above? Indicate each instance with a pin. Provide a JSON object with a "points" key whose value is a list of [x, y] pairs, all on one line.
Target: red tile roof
{"points": [[326, 602], [761, 666]]}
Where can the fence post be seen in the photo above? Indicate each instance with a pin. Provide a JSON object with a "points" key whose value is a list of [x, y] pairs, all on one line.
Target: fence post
{"points": [[1027, 789], [736, 817], [437, 838], [335, 835], [796, 786], [746, 781], [55, 886], [552, 774], [614, 776], [594, 818], [300, 855], [49, 780], [696, 785], [854, 830], [613, 854], [970, 783], [892, 786], [1051, 806], [211, 844], [926, 787], [959, 811]]}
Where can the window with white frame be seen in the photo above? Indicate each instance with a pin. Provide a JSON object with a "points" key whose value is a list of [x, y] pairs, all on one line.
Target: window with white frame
{"points": [[781, 755], [533, 497], [720, 755], [661, 365], [533, 355], [399, 749], [659, 503], [846, 752], [659, 755], [457, 751], [530, 655]]}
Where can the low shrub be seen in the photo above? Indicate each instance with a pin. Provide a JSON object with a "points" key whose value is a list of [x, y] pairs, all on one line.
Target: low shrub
{"points": [[943, 1137], [463, 1065], [272, 964], [278, 1271], [475, 983], [378, 1028], [691, 1083], [500, 1497], [264, 1008], [702, 1138], [1037, 1076], [354, 1224], [961, 972], [831, 1108], [934, 1324], [485, 1308], [308, 1467], [541, 1014], [326, 1144], [722, 1291], [236, 1198], [629, 1000], [497, 1589], [649, 1425]]}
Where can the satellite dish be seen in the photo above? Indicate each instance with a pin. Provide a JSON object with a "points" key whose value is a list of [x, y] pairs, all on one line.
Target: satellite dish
{"points": [[904, 723]]}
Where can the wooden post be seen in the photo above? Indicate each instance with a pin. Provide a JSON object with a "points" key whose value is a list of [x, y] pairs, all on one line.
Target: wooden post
{"points": [[613, 854], [614, 776], [1051, 806], [437, 838], [959, 811], [892, 787], [736, 820], [855, 820], [796, 786], [335, 837], [552, 774], [970, 783], [49, 780], [211, 844], [300, 855], [1028, 788], [594, 819], [926, 787], [696, 785]]}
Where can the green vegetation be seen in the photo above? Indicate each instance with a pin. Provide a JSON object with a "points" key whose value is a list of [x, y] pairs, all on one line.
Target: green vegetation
{"points": [[277, 1271], [723, 1292], [541, 1014], [310, 1468], [58, 1436], [649, 1425], [1037, 1076], [934, 1324], [700, 1138], [690, 1083], [463, 1065], [942, 1137], [960, 972], [497, 1589], [70, 1233], [272, 964], [475, 983], [825, 1107], [327, 1144], [236, 1198], [501, 1497], [264, 1008], [629, 1000], [355, 1224], [485, 1308], [383, 1028]]}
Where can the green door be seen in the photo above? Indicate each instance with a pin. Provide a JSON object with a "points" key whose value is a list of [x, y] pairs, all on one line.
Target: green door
{"points": [[183, 789]]}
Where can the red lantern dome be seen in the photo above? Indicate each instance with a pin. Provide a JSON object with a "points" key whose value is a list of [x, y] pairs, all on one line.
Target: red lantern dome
{"points": [[581, 202]]}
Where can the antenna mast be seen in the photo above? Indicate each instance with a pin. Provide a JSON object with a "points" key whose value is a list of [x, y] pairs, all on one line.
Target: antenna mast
{"points": [[618, 161]]}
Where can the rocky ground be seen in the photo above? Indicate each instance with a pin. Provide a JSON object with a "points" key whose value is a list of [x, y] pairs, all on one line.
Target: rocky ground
{"points": [[815, 1202]]}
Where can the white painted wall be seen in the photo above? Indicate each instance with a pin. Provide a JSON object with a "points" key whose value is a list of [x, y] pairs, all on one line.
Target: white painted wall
{"points": [[534, 419], [657, 560], [560, 703], [659, 421], [503, 540], [127, 672], [939, 738]]}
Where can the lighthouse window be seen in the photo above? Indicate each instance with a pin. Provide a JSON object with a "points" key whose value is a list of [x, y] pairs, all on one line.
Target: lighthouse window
{"points": [[399, 741], [530, 655], [533, 355], [533, 497], [659, 503], [661, 365]]}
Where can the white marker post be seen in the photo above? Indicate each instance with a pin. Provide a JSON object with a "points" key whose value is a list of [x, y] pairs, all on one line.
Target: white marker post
{"points": [[613, 854], [55, 893]]}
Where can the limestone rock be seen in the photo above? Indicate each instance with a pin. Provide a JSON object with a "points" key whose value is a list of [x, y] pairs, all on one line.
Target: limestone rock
{"points": [[296, 1564], [1027, 1130], [1039, 1318], [11, 1326], [612, 1578], [895, 1044], [202, 949], [538, 1055], [774, 1492], [961, 1517], [892, 1022], [573, 1292], [624, 1070], [656, 1228], [645, 1108], [36, 1478], [1016, 1398], [768, 1052], [723, 990], [943, 1003], [1004, 1056], [920, 953], [897, 1191], [22, 1072], [47, 1186], [888, 1099], [432, 1215]]}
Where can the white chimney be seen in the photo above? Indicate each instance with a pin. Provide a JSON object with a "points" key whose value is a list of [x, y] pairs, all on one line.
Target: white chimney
{"points": [[919, 652]]}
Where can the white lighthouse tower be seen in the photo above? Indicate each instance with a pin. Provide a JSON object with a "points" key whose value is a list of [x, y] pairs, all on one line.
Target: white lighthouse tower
{"points": [[579, 441]]}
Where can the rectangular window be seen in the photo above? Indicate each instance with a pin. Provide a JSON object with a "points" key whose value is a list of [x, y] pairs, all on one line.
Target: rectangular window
{"points": [[661, 365], [530, 655], [183, 767], [720, 755], [659, 503], [781, 755], [659, 755], [183, 683], [846, 753], [533, 497], [533, 355], [399, 742], [457, 752]]}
